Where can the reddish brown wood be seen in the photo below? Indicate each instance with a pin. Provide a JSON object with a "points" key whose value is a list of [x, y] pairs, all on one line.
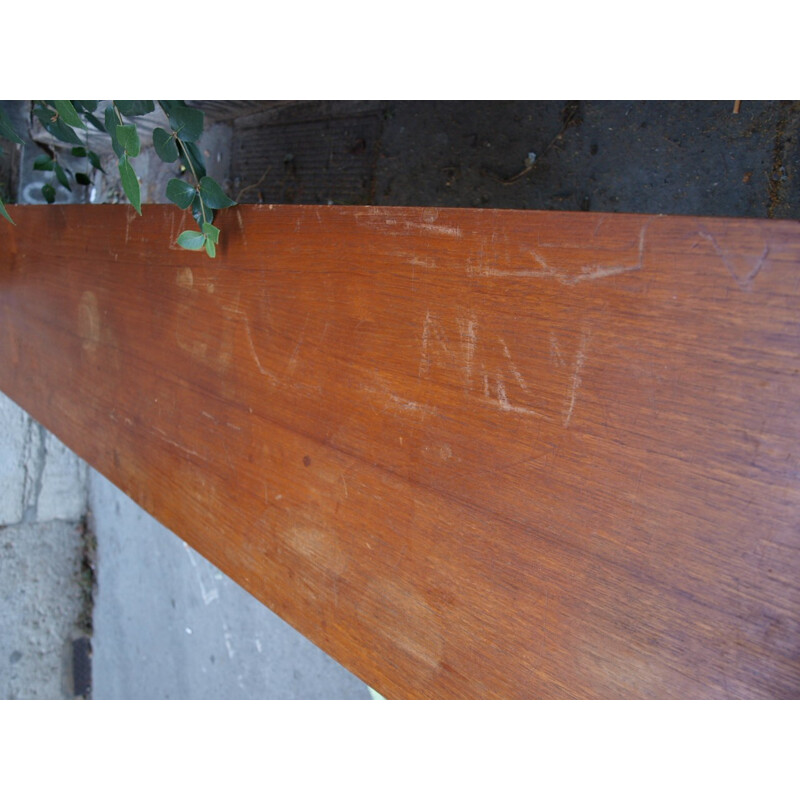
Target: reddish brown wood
{"points": [[469, 453]]}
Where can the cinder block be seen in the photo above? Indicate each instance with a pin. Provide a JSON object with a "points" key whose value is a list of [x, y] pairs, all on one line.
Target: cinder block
{"points": [[40, 479], [63, 488], [13, 429]]}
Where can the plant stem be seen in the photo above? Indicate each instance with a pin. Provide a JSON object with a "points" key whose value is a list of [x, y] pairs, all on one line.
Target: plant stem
{"points": [[116, 111], [194, 175]]}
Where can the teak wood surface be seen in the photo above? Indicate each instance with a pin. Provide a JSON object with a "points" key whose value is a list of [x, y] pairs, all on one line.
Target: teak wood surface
{"points": [[469, 453]]}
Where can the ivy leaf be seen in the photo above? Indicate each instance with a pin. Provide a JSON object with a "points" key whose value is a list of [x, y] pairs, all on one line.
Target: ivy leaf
{"points": [[62, 177], [213, 195], [94, 160], [79, 152], [85, 105], [186, 122], [180, 193], [44, 163], [192, 240], [211, 248], [165, 145], [134, 108], [83, 179], [7, 129], [130, 183], [111, 126], [128, 139], [67, 112], [211, 232], [49, 193], [5, 213], [96, 122]]}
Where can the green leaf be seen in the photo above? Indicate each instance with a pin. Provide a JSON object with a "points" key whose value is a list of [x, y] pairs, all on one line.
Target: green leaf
{"points": [[96, 122], [44, 163], [5, 213], [211, 232], [128, 138], [62, 131], [180, 193], [134, 108], [62, 177], [83, 179], [85, 105], [197, 211], [7, 129], [49, 193], [57, 127], [44, 115], [94, 160], [165, 145], [130, 183], [211, 249], [192, 240], [186, 122], [111, 126], [79, 152], [68, 113], [213, 195]]}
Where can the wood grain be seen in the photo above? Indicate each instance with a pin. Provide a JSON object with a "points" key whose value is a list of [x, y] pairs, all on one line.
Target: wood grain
{"points": [[469, 453]]}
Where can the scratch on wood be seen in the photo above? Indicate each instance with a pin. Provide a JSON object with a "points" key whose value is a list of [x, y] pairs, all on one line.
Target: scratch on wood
{"points": [[179, 446], [513, 367], [396, 400], [441, 229], [240, 222], [262, 369], [429, 325], [468, 330], [293, 358], [589, 272], [746, 282], [555, 351], [502, 399], [580, 359]]}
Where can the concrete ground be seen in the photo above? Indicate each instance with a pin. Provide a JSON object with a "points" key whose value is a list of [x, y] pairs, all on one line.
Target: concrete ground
{"points": [[163, 621]]}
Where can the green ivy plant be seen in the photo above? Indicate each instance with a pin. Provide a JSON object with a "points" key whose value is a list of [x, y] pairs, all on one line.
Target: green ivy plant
{"points": [[66, 119]]}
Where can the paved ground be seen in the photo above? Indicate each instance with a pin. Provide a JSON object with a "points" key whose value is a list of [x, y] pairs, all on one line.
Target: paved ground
{"points": [[166, 623]]}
